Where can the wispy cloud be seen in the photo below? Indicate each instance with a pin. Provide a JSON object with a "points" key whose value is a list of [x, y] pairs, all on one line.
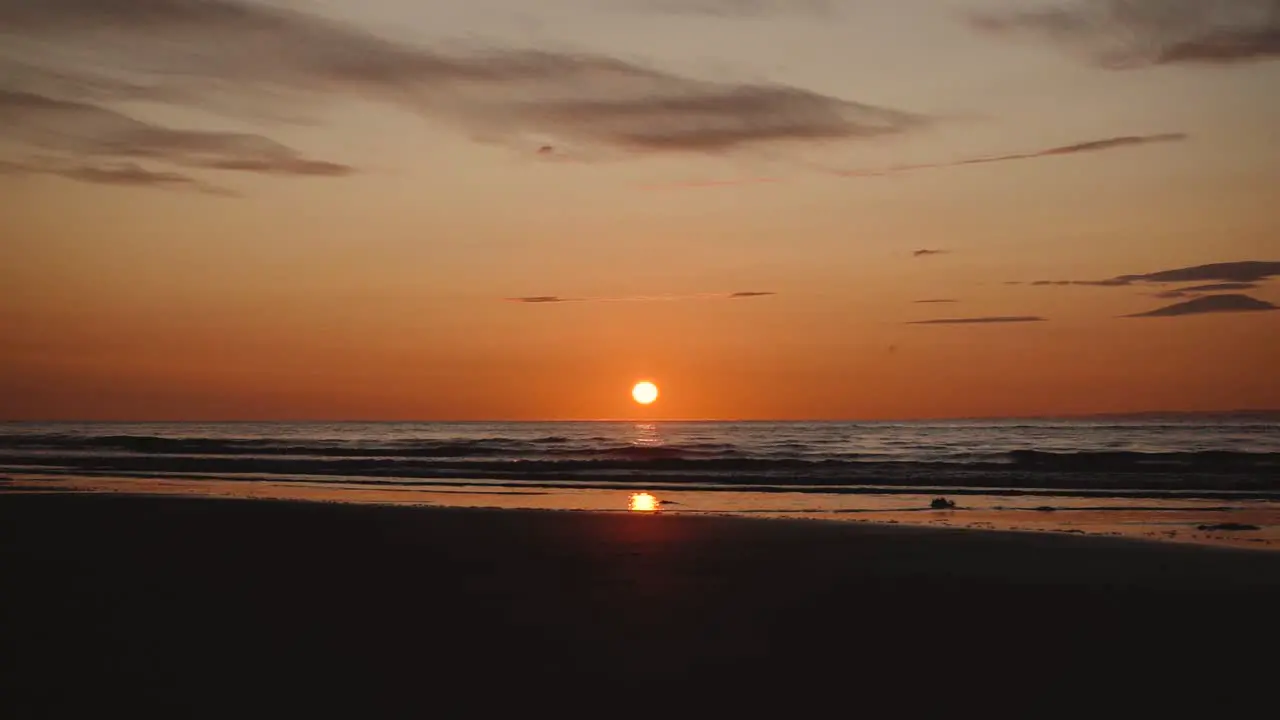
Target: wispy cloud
{"points": [[125, 174], [1213, 277], [546, 299], [980, 320], [134, 175], [78, 130], [693, 116], [1088, 146], [1210, 304], [1122, 34], [226, 53], [926, 252]]}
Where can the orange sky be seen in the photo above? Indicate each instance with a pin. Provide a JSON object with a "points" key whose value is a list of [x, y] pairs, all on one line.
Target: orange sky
{"points": [[307, 245]]}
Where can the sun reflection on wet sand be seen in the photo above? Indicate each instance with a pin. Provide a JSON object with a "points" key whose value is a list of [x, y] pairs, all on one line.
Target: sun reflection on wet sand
{"points": [[643, 502]]}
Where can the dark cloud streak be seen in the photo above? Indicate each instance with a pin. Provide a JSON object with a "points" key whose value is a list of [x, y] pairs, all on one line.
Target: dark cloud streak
{"points": [[1245, 271], [551, 299], [537, 299], [1240, 275], [1090, 146], [980, 320], [1210, 304]]}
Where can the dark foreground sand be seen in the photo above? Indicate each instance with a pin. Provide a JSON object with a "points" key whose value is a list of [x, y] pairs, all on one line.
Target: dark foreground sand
{"points": [[186, 607]]}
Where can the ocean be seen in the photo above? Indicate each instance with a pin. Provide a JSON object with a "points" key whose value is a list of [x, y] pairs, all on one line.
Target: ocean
{"points": [[1184, 478]]}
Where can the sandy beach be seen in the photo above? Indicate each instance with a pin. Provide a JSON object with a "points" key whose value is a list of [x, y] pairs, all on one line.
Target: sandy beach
{"points": [[201, 606]]}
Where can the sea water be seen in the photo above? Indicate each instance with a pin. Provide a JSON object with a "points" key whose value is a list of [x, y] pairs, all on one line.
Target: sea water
{"points": [[1179, 477]]}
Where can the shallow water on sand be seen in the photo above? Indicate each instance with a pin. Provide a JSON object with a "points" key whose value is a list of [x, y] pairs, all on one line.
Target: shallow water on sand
{"points": [[1254, 523]]}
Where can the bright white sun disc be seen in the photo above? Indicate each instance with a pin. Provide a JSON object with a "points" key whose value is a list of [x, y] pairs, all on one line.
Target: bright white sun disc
{"points": [[644, 392]]}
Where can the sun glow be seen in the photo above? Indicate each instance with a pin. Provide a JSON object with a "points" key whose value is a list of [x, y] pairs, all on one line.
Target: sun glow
{"points": [[644, 392], [643, 502]]}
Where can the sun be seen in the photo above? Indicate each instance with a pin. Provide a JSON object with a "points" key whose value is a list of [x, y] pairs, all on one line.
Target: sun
{"points": [[644, 392]]}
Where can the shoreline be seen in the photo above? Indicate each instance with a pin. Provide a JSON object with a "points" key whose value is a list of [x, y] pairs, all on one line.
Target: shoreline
{"points": [[874, 525], [16, 471], [1247, 523]]}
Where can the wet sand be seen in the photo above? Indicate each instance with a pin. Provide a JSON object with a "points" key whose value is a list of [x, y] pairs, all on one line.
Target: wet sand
{"points": [[204, 607], [1255, 523]]}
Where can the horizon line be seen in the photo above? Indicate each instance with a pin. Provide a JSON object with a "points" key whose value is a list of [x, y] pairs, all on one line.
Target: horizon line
{"points": [[283, 421]]}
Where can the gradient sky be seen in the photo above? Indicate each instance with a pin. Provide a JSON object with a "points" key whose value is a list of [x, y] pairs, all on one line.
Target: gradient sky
{"points": [[500, 209]]}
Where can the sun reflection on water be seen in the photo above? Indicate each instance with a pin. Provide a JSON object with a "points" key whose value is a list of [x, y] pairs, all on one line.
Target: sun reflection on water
{"points": [[647, 435]]}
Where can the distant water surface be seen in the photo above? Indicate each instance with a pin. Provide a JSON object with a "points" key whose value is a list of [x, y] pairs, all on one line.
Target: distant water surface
{"points": [[787, 452]]}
